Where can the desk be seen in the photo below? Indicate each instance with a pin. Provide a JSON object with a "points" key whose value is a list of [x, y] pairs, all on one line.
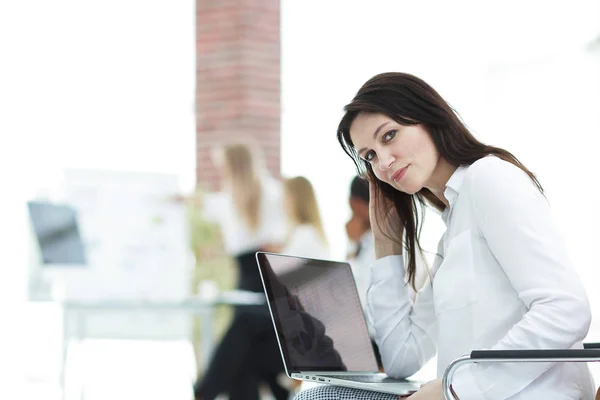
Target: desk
{"points": [[73, 312]]}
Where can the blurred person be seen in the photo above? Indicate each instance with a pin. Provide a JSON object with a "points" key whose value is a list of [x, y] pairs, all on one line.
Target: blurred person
{"points": [[362, 252], [250, 213], [306, 237], [248, 209], [503, 278]]}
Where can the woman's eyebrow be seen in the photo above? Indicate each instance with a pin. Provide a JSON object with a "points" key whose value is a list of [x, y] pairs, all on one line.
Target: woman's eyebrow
{"points": [[379, 128]]}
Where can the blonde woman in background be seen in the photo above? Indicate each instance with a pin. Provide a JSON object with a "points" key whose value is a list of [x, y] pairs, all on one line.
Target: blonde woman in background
{"points": [[306, 236], [249, 211]]}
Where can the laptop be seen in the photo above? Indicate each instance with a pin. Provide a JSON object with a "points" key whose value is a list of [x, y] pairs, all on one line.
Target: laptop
{"points": [[320, 324]]}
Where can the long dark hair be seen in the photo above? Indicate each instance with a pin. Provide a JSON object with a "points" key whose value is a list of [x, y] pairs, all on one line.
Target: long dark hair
{"points": [[408, 100]]}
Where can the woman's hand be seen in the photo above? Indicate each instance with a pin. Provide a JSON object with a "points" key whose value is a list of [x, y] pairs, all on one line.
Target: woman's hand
{"points": [[429, 391], [382, 214]]}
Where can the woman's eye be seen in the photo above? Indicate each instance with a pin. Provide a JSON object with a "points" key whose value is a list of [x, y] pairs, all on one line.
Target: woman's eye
{"points": [[389, 135], [370, 156]]}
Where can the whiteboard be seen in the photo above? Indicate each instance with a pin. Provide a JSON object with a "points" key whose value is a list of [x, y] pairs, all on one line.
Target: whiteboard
{"points": [[137, 248], [137, 243]]}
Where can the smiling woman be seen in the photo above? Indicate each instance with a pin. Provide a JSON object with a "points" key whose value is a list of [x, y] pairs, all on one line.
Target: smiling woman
{"points": [[432, 142], [502, 278], [401, 156]]}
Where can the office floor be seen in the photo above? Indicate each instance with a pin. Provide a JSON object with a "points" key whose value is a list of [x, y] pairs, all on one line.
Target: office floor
{"points": [[119, 369], [114, 369], [97, 369], [123, 369], [133, 369]]}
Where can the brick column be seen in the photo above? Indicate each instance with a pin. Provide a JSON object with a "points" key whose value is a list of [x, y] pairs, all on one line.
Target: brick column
{"points": [[237, 79]]}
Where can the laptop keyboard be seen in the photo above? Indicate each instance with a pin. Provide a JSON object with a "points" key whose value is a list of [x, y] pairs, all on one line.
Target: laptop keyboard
{"points": [[365, 378]]}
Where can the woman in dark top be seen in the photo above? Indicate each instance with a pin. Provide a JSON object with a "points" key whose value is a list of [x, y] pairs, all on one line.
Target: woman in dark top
{"points": [[250, 213]]}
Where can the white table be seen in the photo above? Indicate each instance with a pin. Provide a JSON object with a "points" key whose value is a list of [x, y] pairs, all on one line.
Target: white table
{"points": [[74, 312]]}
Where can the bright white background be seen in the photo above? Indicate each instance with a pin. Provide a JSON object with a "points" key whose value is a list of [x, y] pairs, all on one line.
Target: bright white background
{"points": [[87, 84], [110, 85], [521, 74]]}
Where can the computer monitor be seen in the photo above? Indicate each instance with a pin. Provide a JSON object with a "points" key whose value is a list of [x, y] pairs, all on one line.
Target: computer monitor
{"points": [[57, 234], [59, 256]]}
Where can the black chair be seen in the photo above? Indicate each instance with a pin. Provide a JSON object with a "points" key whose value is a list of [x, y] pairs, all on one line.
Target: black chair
{"points": [[589, 353]]}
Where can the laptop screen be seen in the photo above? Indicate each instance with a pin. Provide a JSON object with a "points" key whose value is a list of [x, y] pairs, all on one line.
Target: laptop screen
{"points": [[317, 314]]}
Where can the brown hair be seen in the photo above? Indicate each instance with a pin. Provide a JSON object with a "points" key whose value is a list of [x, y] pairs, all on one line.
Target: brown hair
{"points": [[246, 189], [305, 209], [408, 100]]}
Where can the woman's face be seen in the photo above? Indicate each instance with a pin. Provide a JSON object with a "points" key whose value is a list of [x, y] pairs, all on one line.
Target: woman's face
{"points": [[405, 157]]}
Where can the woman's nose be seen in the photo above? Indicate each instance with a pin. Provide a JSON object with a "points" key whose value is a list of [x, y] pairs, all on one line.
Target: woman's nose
{"points": [[386, 162]]}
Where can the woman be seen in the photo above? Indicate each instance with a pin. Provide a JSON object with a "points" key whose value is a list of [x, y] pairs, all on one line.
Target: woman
{"points": [[503, 279], [250, 214], [248, 209], [306, 236]]}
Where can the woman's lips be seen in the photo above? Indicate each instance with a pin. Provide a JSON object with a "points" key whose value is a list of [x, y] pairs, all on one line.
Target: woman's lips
{"points": [[398, 175]]}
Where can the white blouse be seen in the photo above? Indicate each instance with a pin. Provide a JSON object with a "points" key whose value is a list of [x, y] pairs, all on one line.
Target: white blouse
{"points": [[305, 241], [503, 281], [237, 236]]}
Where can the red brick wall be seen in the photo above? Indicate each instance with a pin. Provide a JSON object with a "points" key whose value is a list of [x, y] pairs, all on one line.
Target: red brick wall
{"points": [[237, 79]]}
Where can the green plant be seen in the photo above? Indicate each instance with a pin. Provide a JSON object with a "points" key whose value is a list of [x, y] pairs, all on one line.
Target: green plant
{"points": [[211, 263]]}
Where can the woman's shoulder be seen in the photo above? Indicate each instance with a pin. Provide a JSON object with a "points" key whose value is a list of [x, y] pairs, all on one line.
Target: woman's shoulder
{"points": [[305, 241], [493, 173], [307, 235], [492, 181], [271, 186], [305, 230], [490, 165], [216, 201]]}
